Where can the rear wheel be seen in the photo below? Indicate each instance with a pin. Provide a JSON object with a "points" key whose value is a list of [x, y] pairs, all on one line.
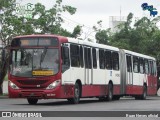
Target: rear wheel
{"points": [[32, 101], [76, 98], [102, 98], [144, 94], [110, 92], [116, 97]]}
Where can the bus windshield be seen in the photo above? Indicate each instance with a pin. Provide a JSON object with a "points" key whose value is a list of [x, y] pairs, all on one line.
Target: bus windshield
{"points": [[34, 62]]}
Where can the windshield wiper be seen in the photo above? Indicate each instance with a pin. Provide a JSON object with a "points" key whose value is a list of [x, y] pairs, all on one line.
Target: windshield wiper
{"points": [[43, 55]]}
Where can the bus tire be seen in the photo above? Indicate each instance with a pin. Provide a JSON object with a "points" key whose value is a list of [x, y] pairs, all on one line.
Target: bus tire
{"points": [[32, 101], [116, 97], [110, 92], [144, 95], [76, 98]]}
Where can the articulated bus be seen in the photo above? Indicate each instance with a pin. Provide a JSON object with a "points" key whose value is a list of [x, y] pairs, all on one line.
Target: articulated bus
{"points": [[57, 67]]}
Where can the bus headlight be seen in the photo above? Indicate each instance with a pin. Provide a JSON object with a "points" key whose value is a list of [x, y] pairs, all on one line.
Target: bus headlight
{"points": [[53, 85], [12, 85]]}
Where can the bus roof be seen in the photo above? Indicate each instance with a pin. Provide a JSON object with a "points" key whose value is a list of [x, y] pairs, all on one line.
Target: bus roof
{"points": [[138, 54], [40, 35], [87, 43]]}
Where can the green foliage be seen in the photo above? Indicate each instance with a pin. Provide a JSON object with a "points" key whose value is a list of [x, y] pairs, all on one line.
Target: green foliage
{"points": [[102, 37], [39, 20], [143, 37], [76, 32]]}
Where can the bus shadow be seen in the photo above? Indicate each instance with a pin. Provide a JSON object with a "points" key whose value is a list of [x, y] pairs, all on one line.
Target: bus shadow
{"points": [[64, 102], [83, 101]]}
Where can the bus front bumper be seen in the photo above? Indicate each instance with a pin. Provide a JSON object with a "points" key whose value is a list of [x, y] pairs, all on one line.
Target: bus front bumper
{"points": [[59, 92]]}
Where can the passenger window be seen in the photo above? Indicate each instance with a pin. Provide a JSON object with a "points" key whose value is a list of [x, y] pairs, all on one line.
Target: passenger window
{"points": [[151, 70], [94, 58], [65, 58], [75, 58], [135, 64], [101, 59], [129, 64], [141, 65], [87, 57], [146, 66], [155, 68], [115, 60], [81, 57], [108, 60]]}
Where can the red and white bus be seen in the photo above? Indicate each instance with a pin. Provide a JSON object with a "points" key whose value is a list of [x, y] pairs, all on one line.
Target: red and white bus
{"points": [[51, 66]]}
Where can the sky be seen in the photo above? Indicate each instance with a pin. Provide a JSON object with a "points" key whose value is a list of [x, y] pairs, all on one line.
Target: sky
{"points": [[90, 11]]}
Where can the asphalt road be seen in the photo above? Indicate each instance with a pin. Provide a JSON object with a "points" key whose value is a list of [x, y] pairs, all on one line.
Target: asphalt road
{"points": [[92, 104]]}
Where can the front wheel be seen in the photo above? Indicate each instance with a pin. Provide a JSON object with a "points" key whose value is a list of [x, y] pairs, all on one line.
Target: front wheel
{"points": [[32, 101], [76, 98]]}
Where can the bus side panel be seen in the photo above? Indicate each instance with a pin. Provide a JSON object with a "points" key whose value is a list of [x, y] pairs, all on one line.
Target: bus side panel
{"points": [[134, 90], [152, 83], [116, 82], [94, 90]]}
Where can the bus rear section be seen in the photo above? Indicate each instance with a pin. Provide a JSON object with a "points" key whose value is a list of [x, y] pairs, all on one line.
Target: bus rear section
{"points": [[138, 75]]}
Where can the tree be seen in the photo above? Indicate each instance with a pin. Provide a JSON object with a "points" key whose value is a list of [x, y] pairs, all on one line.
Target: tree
{"points": [[102, 37], [40, 20], [121, 38], [76, 32]]}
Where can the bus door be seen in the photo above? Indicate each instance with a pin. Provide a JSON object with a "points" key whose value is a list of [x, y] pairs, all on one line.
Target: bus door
{"points": [[88, 65], [152, 79], [129, 70]]}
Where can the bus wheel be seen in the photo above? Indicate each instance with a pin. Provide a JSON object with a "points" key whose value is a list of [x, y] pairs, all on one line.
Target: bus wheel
{"points": [[116, 97], [144, 95], [110, 92], [76, 98], [32, 101]]}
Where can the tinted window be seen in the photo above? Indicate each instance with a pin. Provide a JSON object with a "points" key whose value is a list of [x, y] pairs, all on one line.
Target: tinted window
{"points": [[87, 57], [65, 58], [135, 64], [75, 59], [115, 60], [108, 59], [151, 67], [94, 58], [146, 66], [129, 63], [101, 59], [81, 56], [141, 65]]}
